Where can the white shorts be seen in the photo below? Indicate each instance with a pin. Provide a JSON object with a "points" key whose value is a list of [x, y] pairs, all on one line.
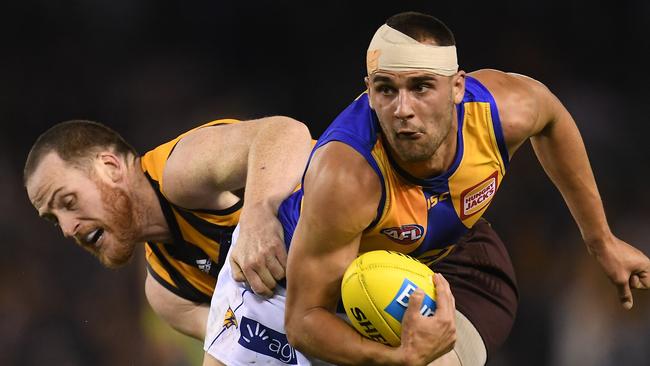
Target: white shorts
{"points": [[244, 328]]}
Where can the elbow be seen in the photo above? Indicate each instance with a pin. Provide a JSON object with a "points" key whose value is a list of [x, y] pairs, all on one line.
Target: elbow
{"points": [[182, 315], [297, 333], [292, 327], [292, 127]]}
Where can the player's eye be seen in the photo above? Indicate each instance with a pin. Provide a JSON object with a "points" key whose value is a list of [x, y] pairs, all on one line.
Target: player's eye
{"points": [[422, 88], [384, 89], [69, 202]]}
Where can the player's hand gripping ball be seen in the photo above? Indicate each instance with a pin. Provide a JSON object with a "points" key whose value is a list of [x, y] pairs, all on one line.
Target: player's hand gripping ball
{"points": [[375, 292]]}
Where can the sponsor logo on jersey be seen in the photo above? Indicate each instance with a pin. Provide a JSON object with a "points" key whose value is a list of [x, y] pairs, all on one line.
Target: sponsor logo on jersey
{"points": [[405, 234], [434, 200], [478, 197], [397, 307], [261, 339], [229, 319], [204, 264]]}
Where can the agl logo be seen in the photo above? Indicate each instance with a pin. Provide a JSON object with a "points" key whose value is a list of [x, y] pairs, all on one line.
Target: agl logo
{"points": [[261, 339]]}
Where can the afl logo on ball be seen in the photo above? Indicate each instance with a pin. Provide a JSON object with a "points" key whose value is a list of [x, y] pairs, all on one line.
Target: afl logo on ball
{"points": [[405, 234]]}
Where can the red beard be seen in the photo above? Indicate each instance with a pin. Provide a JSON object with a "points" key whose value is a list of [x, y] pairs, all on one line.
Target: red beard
{"points": [[120, 229]]}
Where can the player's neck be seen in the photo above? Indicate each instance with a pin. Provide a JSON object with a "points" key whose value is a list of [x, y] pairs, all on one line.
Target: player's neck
{"points": [[154, 226]]}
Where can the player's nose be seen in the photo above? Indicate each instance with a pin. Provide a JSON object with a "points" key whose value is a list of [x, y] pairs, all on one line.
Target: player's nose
{"points": [[69, 226], [404, 109]]}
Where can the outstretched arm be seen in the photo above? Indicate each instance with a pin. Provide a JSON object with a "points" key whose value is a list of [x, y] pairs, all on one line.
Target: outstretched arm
{"points": [[267, 158], [276, 161], [529, 110], [342, 194]]}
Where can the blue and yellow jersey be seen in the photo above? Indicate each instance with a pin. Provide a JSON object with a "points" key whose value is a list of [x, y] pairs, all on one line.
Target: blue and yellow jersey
{"points": [[188, 266], [423, 217]]}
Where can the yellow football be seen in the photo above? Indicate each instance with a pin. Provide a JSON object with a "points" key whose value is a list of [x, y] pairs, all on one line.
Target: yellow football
{"points": [[375, 291]]}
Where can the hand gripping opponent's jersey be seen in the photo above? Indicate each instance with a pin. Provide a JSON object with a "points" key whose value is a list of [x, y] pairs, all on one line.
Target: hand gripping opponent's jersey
{"points": [[188, 266], [422, 217]]}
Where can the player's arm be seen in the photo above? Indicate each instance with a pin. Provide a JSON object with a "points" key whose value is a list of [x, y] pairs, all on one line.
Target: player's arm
{"points": [[529, 110], [266, 157], [342, 194], [183, 315]]}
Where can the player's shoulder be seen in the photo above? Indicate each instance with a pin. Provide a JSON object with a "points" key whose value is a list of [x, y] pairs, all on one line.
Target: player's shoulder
{"points": [[340, 180], [342, 164], [340, 184], [520, 101], [510, 88], [517, 96], [193, 137]]}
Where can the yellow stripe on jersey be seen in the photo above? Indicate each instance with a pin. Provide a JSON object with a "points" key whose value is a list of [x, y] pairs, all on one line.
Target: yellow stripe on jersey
{"points": [[476, 180], [404, 204], [424, 216], [198, 279], [154, 161], [188, 266], [408, 211]]}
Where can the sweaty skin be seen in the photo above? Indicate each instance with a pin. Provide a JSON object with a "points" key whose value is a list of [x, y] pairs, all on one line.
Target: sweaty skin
{"points": [[418, 120], [109, 206]]}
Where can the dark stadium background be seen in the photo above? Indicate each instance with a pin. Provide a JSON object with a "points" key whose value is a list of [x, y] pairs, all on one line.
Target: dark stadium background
{"points": [[152, 69]]}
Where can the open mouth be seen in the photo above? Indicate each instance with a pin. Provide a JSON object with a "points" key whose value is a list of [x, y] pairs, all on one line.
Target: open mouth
{"points": [[94, 236]]}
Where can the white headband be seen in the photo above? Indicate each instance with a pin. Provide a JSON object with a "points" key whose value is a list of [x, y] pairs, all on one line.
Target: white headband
{"points": [[393, 50]]}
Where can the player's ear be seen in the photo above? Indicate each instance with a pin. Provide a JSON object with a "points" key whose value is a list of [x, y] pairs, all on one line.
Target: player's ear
{"points": [[111, 166], [366, 80], [458, 86]]}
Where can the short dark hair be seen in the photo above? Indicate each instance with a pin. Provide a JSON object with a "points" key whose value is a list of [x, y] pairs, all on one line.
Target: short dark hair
{"points": [[422, 27], [74, 141]]}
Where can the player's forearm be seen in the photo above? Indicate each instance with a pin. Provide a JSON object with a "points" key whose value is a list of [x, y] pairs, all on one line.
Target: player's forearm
{"points": [[562, 153], [276, 161], [321, 334]]}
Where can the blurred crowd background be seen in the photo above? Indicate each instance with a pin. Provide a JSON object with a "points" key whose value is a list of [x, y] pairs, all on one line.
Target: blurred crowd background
{"points": [[152, 69]]}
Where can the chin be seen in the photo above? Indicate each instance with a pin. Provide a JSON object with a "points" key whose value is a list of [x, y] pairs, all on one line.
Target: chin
{"points": [[414, 156], [117, 257], [412, 153]]}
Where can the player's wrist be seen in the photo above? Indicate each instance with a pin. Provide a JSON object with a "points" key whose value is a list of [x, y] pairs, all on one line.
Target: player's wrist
{"points": [[375, 353], [257, 211], [405, 357], [599, 243]]}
